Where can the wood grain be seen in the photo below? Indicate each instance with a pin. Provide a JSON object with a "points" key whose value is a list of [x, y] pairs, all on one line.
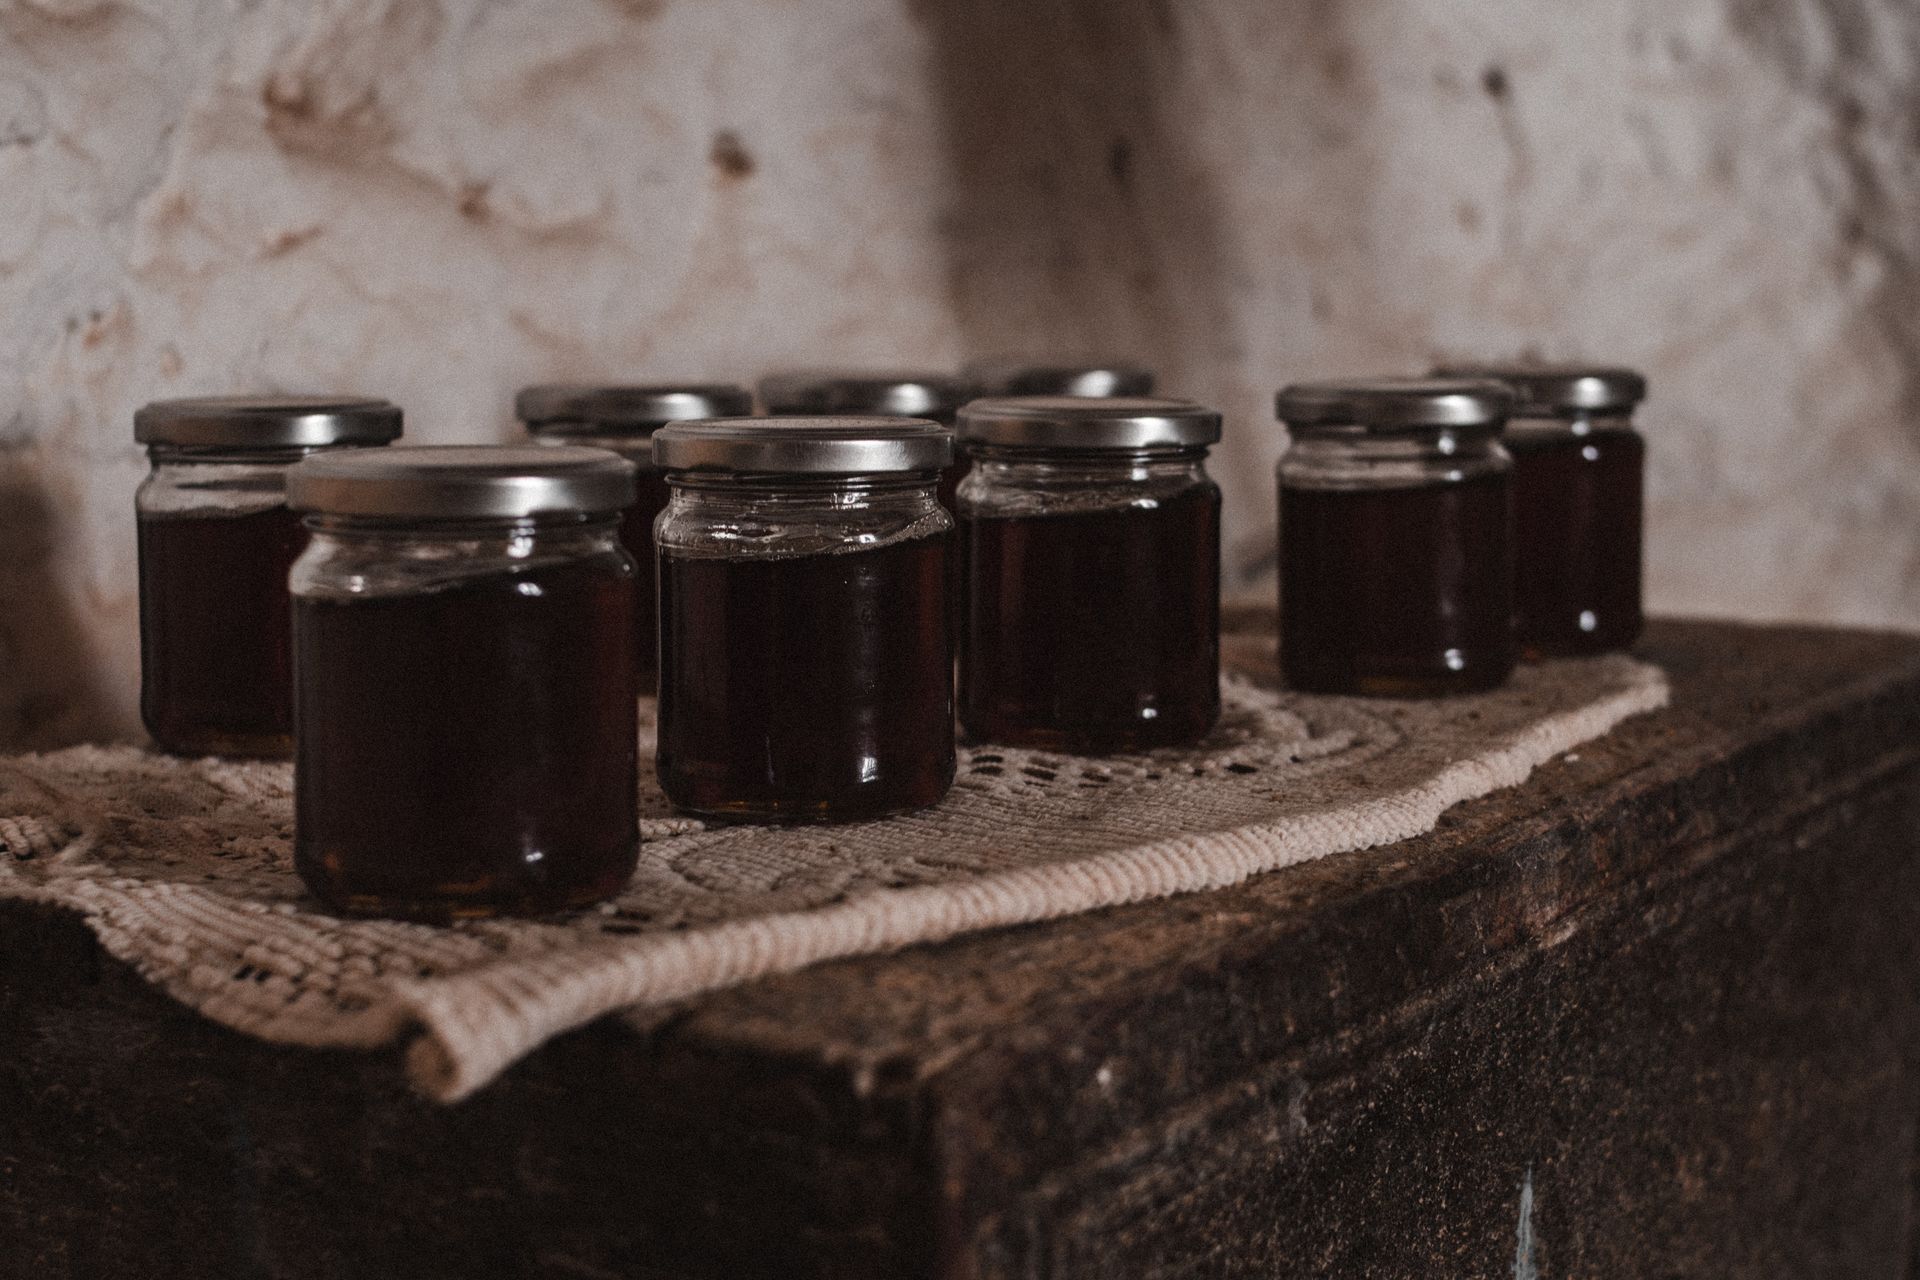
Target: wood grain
{"points": [[1669, 985]]}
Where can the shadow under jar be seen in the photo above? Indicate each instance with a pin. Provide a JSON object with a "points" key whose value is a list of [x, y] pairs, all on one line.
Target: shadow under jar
{"points": [[1396, 537], [216, 540], [466, 739], [1578, 469], [1090, 532], [805, 669], [623, 419]]}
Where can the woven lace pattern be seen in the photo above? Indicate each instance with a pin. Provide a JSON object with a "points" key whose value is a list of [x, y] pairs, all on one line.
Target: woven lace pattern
{"points": [[182, 868]]}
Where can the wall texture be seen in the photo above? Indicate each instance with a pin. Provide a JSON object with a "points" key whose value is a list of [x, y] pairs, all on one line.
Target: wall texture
{"points": [[439, 200]]}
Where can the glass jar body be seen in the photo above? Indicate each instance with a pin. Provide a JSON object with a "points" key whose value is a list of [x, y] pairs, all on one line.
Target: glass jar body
{"points": [[1396, 562], [216, 541], [1091, 616], [805, 669], [636, 534], [466, 740], [1578, 511]]}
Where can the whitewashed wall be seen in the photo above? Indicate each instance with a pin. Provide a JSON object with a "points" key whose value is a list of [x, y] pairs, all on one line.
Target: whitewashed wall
{"points": [[438, 202]]}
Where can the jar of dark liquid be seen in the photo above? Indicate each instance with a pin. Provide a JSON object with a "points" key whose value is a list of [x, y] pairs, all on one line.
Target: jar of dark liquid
{"points": [[216, 541], [464, 670], [1090, 531], [805, 670], [1086, 378], [623, 419], [936, 397], [1577, 479], [1396, 537]]}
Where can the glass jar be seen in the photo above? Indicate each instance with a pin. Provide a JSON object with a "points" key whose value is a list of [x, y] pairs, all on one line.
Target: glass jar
{"points": [[936, 397], [466, 743], [805, 669], [1090, 531], [1578, 468], [216, 540], [1396, 537], [623, 419], [1089, 378]]}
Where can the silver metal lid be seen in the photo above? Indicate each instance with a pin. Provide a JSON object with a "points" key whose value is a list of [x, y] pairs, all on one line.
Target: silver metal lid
{"points": [[1091, 378], [267, 422], [1545, 389], [891, 393], [579, 409], [1078, 422], [462, 482], [804, 445], [1395, 404]]}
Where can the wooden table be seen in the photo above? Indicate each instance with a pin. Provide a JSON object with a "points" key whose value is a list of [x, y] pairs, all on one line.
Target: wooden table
{"points": [[1652, 1014]]}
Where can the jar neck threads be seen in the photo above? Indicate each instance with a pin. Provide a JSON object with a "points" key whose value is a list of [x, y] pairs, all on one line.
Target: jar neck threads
{"points": [[368, 556], [1353, 458], [1069, 467], [756, 515]]}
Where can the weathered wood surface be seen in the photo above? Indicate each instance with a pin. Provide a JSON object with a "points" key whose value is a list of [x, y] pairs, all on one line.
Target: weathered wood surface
{"points": [[1668, 988]]}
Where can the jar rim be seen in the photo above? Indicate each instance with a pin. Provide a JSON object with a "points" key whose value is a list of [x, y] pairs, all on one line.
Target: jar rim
{"points": [[818, 446], [980, 452], [1394, 404], [887, 393], [1542, 389], [267, 421], [623, 409], [1359, 432], [1089, 424], [230, 455], [1093, 379], [463, 482]]}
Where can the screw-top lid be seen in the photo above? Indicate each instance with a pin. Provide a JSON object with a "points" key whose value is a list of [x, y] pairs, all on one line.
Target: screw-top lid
{"points": [[1395, 404], [1091, 378], [267, 422], [1547, 389], [1079, 422], [461, 482], [805, 445], [892, 394], [626, 410]]}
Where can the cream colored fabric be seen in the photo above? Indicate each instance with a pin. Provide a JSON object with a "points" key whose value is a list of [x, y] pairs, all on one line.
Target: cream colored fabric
{"points": [[181, 867]]}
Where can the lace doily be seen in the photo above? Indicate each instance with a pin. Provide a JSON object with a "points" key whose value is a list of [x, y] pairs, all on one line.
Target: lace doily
{"points": [[182, 867]]}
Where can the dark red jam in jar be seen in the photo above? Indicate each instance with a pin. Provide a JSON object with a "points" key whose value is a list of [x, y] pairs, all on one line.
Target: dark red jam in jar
{"points": [[936, 397], [1090, 532], [1097, 378], [216, 540], [1396, 560], [805, 668], [623, 419], [1577, 505], [466, 741]]}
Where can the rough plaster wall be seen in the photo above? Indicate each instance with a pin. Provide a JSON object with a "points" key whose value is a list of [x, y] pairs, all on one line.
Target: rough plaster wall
{"points": [[433, 202], [441, 201]]}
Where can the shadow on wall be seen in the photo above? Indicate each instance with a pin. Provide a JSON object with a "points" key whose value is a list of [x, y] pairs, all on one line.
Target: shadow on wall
{"points": [[51, 690], [1119, 187], [1849, 56], [1079, 223]]}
